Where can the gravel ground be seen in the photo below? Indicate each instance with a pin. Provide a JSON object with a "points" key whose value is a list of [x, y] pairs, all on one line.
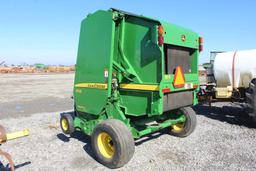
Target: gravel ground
{"points": [[223, 140], [216, 144], [25, 94]]}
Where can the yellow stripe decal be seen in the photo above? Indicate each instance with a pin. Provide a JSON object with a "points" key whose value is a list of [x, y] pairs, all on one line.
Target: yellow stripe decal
{"points": [[92, 85], [140, 87], [122, 86]]}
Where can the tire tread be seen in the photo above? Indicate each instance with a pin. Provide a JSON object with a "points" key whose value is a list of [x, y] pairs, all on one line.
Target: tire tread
{"points": [[190, 123], [123, 136], [251, 99]]}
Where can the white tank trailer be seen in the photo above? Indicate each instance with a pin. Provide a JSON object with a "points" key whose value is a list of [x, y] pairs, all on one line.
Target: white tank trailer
{"points": [[235, 69], [234, 78]]}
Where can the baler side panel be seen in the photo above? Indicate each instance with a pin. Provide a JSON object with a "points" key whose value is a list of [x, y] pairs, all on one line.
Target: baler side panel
{"points": [[141, 102], [97, 32], [139, 42], [141, 49]]}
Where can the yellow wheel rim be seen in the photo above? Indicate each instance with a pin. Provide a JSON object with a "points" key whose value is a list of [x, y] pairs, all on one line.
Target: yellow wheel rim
{"points": [[64, 124], [177, 127], [105, 144]]}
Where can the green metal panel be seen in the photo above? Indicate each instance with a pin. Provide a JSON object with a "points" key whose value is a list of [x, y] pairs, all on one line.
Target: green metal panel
{"points": [[173, 35], [142, 50], [139, 100], [140, 103], [94, 58], [147, 58], [138, 37]]}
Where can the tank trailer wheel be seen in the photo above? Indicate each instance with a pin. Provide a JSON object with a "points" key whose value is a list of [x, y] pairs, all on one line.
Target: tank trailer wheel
{"points": [[112, 143], [251, 99], [67, 124], [186, 128]]}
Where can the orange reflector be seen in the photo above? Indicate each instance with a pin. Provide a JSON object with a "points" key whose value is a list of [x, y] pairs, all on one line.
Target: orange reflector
{"points": [[201, 40], [179, 79], [160, 30]]}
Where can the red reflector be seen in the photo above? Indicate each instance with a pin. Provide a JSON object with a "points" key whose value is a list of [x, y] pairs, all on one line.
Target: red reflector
{"points": [[160, 35], [160, 40], [201, 47], [195, 86], [166, 90]]}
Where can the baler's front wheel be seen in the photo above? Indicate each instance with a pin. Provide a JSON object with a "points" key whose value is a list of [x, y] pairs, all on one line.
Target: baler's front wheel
{"points": [[112, 143], [186, 128], [67, 124]]}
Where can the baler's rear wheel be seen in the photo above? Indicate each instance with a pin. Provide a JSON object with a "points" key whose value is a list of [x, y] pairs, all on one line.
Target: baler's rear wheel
{"points": [[251, 99], [67, 124], [186, 128], [112, 143]]}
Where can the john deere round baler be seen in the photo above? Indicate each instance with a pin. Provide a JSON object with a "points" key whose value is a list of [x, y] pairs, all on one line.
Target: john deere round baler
{"points": [[134, 76]]}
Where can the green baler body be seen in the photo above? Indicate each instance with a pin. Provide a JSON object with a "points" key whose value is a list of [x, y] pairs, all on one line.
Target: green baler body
{"points": [[121, 72]]}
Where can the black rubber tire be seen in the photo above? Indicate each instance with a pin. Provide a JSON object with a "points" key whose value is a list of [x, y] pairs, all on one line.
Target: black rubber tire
{"points": [[189, 125], [70, 123], [251, 99], [122, 140]]}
